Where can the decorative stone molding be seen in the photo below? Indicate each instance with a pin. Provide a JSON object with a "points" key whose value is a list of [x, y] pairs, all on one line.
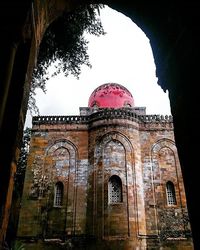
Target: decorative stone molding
{"points": [[145, 121], [38, 120], [42, 179]]}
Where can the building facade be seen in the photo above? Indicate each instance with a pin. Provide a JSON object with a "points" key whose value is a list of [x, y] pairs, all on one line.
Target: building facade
{"points": [[109, 178]]}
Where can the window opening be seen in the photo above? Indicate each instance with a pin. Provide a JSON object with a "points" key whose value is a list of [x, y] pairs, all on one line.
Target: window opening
{"points": [[115, 190], [58, 197], [171, 196]]}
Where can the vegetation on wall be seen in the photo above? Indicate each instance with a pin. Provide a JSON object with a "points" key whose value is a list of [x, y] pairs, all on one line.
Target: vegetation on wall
{"points": [[65, 46], [22, 162]]}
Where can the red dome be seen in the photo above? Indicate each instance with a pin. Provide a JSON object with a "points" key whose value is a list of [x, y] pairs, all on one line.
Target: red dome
{"points": [[111, 95]]}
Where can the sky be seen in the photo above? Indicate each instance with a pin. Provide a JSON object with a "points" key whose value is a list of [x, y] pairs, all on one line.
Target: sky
{"points": [[121, 56]]}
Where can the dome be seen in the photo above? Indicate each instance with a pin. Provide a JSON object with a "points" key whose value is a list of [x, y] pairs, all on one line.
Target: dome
{"points": [[111, 95]]}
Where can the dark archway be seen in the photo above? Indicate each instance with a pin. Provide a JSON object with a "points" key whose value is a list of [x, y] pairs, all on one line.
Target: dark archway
{"points": [[172, 29]]}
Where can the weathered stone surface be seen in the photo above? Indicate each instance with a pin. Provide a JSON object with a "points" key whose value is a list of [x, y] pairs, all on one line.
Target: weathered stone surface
{"points": [[84, 154]]}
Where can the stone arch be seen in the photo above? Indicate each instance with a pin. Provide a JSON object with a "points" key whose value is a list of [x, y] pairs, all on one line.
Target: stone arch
{"points": [[173, 72], [165, 142], [116, 136], [122, 164], [70, 149], [166, 169], [165, 146], [63, 143], [113, 135], [62, 158]]}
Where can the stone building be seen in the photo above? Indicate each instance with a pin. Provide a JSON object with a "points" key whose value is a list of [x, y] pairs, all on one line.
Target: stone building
{"points": [[109, 178]]}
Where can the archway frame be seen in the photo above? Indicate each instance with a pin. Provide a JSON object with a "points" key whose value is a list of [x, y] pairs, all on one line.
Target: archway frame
{"points": [[172, 31]]}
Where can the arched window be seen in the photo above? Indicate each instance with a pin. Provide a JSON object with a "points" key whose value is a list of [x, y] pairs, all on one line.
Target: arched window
{"points": [[114, 189], [171, 195], [58, 194]]}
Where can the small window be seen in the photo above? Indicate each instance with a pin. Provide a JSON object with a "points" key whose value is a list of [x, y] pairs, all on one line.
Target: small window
{"points": [[127, 105], [58, 194], [171, 195], [95, 104], [114, 189]]}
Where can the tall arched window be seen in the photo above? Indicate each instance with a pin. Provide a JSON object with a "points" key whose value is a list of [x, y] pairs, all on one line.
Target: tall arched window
{"points": [[58, 194], [171, 195], [114, 189]]}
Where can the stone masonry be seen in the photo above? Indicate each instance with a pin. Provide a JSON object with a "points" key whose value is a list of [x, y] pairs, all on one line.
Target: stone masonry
{"points": [[109, 178]]}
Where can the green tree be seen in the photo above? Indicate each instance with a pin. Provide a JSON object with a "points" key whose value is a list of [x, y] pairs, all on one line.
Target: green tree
{"points": [[65, 46]]}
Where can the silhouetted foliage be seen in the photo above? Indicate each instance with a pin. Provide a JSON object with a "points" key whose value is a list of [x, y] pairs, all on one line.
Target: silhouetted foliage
{"points": [[65, 46], [22, 162]]}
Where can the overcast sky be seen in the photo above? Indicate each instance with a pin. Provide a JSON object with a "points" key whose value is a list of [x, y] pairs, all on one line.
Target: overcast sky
{"points": [[122, 56]]}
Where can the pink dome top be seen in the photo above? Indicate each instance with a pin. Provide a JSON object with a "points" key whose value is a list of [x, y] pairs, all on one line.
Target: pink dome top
{"points": [[111, 95]]}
